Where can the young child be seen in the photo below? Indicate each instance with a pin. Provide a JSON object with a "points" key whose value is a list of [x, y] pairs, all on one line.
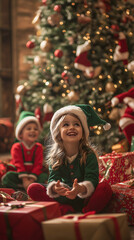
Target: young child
{"points": [[27, 154], [74, 173]]}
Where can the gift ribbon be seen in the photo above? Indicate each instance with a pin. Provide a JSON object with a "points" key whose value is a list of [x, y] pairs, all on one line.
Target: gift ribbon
{"points": [[78, 218], [17, 206]]}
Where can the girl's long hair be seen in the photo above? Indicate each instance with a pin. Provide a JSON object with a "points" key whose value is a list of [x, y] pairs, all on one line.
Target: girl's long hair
{"points": [[55, 152]]}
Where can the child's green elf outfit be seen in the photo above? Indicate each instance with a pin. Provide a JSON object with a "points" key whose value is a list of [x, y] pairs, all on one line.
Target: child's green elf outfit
{"points": [[28, 161], [97, 195]]}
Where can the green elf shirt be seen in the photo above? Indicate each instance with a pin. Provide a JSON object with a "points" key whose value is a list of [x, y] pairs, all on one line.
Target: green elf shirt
{"points": [[87, 175]]}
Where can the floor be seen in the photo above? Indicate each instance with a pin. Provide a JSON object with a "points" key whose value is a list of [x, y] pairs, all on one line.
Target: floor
{"points": [[7, 156]]}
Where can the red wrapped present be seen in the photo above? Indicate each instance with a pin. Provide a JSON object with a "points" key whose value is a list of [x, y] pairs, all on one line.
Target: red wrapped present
{"points": [[123, 200], [87, 226], [22, 220], [116, 167]]}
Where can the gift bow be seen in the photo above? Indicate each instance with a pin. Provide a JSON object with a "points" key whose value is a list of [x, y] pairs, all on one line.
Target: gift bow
{"points": [[78, 218]]}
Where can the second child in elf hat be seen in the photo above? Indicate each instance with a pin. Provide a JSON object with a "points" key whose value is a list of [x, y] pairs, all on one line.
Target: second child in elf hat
{"points": [[73, 165], [27, 155]]}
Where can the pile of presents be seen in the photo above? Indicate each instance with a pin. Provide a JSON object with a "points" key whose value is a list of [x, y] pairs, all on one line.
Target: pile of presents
{"points": [[43, 220]]}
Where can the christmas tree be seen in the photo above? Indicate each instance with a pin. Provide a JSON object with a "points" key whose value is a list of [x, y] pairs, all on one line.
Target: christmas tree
{"points": [[83, 52]]}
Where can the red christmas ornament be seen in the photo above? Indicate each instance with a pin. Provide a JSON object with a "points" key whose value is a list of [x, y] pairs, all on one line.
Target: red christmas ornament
{"points": [[44, 2], [58, 53], [115, 27], [57, 8], [30, 44]]}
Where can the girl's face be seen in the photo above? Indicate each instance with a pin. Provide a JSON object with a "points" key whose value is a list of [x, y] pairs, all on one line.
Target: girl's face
{"points": [[71, 129], [29, 133]]}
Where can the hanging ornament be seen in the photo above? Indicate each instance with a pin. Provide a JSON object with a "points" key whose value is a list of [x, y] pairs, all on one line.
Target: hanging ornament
{"points": [[83, 63], [37, 17], [21, 89], [30, 44], [48, 112], [130, 66], [68, 77], [121, 51], [58, 53], [83, 19], [54, 19], [110, 87], [37, 114], [73, 96], [46, 45], [44, 2], [37, 60], [57, 8]]}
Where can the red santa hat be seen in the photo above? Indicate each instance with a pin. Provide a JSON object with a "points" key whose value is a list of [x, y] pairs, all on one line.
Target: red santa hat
{"points": [[121, 51]]}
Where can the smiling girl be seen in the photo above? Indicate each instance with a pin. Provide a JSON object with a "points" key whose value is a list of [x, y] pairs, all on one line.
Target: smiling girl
{"points": [[73, 165]]}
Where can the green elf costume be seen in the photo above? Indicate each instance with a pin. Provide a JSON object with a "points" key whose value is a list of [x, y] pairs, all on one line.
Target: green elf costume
{"points": [[27, 161], [97, 194]]}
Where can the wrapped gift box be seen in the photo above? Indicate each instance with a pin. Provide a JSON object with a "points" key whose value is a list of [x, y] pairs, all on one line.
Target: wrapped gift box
{"points": [[22, 220], [9, 191], [5, 197], [83, 227], [123, 200], [116, 167]]}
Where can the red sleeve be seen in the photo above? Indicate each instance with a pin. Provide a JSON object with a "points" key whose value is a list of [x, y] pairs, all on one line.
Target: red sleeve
{"points": [[17, 157], [38, 161]]}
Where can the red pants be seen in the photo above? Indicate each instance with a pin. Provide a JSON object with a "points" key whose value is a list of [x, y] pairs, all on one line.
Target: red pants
{"points": [[96, 202]]}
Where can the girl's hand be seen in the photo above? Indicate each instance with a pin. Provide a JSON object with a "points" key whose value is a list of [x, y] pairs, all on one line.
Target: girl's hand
{"points": [[75, 190], [59, 189]]}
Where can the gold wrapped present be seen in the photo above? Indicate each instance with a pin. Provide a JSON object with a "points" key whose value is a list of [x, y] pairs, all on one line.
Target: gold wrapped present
{"points": [[87, 226]]}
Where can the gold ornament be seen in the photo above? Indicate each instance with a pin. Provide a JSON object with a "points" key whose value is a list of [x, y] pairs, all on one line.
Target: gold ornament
{"points": [[110, 87], [20, 89], [37, 17], [46, 46], [73, 96]]}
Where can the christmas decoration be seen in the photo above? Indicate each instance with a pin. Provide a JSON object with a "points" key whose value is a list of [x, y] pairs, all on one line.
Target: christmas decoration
{"points": [[57, 8], [30, 44], [130, 66], [121, 51], [73, 96], [38, 115], [82, 63], [48, 112], [110, 87], [126, 122], [68, 77], [58, 53], [46, 45]]}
